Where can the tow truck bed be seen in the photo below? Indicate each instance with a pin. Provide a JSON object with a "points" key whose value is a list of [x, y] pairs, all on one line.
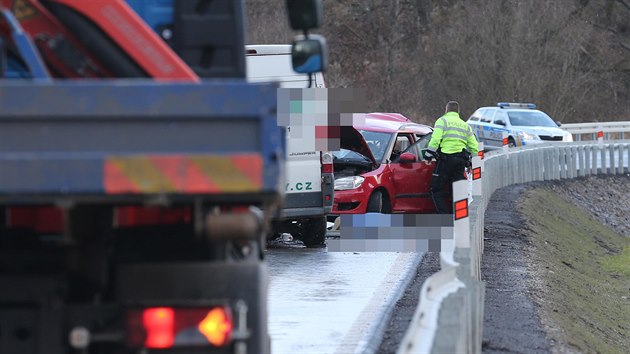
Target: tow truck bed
{"points": [[113, 140]]}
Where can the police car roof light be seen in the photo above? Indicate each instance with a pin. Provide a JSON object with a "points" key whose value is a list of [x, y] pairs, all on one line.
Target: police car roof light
{"points": [[516, 105]]}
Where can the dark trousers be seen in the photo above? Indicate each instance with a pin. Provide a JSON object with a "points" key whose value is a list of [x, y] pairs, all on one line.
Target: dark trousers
{"points": [[448, 169]]}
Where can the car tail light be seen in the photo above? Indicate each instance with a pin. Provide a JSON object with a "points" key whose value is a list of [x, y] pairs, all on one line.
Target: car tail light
{"points": [[327, 162], [168, 327]]}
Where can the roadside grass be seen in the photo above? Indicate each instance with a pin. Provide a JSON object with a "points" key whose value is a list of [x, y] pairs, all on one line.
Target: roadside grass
{"points": [[619, 263], [581, 275]]}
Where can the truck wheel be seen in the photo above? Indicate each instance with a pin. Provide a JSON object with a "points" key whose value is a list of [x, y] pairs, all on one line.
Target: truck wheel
{"points": [[313, 232]]}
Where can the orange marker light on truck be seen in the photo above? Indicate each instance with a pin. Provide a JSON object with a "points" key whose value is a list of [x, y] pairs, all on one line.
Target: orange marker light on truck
{"points": [[159, 323], [461, 209], [216, 327]]}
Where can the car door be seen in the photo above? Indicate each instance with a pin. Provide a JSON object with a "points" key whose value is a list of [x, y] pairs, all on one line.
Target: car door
{"points": [[410, 181], [495, 133]]}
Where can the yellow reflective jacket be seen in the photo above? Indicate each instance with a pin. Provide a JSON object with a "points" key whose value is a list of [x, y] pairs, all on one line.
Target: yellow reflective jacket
{"points": [[452, 135]]}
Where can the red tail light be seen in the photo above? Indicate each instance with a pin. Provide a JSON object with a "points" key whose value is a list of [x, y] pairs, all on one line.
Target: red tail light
{"points": [[327, 162], [159, 324], [44, 219], [127, 216], [168, 327]]}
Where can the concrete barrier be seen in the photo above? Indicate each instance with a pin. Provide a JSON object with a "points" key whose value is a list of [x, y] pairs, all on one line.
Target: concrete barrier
{"points": [[449, 317]]}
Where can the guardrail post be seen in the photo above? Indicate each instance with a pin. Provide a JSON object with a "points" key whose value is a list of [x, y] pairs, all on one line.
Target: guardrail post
{"points": [[581, 152], [573, 163], [542, 161], [588, 161], [562, 163], [547, 165], [477, 174], [461, 225], [603, 165], [530, 169], [527, 165], [612, 168], [627, 160], [504, 136], [517, 172], [620, 159], [593, 159]]}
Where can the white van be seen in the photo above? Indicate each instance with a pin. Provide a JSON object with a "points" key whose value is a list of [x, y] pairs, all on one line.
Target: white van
{"points": [[309, 182]]}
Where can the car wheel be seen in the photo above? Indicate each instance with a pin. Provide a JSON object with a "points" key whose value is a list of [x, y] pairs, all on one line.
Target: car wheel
{"points": [[376, 204], [313, 232], [511, 142]]}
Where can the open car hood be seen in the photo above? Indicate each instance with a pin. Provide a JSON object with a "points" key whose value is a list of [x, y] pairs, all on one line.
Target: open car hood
{"points": [[352, 140]]}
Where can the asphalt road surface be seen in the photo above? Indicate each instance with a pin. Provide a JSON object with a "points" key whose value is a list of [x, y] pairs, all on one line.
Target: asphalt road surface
{"points": [[321, 302]]}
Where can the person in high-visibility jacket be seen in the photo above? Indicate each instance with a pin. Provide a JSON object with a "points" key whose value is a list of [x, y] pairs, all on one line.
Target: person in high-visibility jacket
{"points": [[452, 144]]}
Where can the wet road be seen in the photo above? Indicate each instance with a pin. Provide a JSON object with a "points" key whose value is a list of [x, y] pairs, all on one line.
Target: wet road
{"points": [[322, 302]]}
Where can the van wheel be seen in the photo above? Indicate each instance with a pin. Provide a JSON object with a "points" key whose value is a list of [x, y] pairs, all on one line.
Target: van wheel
{"points": [[313, 232], [376, 204]]}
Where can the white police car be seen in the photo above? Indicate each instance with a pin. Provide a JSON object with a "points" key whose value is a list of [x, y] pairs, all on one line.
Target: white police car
{"points": [[524, 124]]}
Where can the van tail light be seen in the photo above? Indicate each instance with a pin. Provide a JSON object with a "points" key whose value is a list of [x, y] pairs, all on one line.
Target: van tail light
{"points": [[170, 327], [327, 162]]}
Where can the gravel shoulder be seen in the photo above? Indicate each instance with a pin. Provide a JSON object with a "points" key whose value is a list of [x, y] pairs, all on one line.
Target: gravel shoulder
{"points": [[549, 286], [511, 320]]}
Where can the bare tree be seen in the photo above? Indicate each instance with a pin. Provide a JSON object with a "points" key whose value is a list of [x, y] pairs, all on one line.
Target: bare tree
{"points": [[570, 57]]}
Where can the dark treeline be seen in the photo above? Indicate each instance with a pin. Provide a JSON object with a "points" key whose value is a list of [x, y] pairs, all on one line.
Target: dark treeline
{"points": [[570, 57]]}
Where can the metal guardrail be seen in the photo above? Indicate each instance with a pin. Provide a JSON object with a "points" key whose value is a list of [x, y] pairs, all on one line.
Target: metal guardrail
{"points": [[456, 293], [609, 130]]}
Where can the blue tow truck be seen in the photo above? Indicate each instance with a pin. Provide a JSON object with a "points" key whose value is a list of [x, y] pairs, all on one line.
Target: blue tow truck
{"points": [[134, 211]]}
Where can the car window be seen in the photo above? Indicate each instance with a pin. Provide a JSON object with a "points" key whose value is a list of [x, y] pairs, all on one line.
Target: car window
{"points": [[402, 144], [500, 115], [475, 116], [487, 115], [349, 155], [530, 119], [420, 146], [377, 142]]}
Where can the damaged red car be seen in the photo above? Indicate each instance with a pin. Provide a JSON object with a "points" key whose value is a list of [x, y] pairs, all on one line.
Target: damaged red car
{"points": [[381, 166]]}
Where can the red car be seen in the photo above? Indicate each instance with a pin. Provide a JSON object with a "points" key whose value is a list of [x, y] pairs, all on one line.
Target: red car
{"points": [[381, 166]]}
